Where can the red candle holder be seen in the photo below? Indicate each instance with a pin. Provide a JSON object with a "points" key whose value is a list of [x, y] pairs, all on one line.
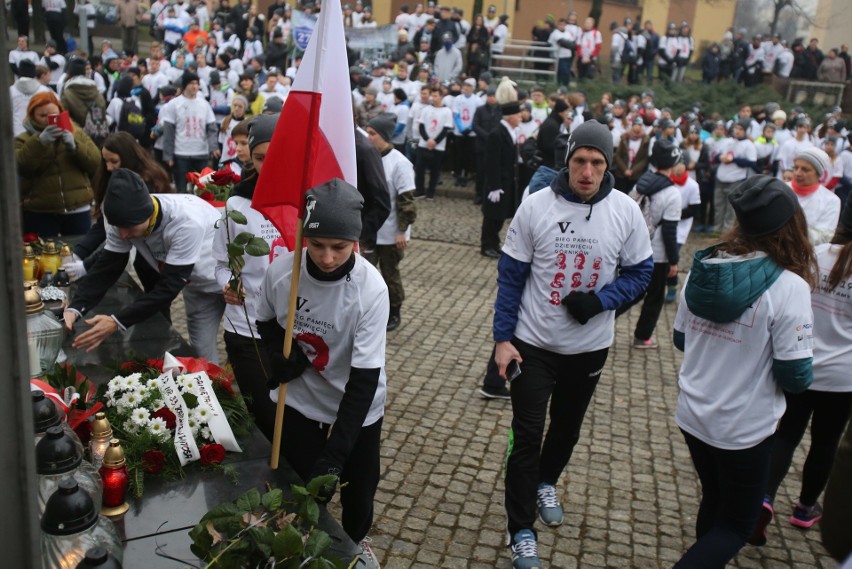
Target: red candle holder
{"points": [[116, 480]]}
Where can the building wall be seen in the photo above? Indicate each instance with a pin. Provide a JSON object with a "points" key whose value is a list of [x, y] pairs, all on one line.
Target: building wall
{"points": [[833, 25]]}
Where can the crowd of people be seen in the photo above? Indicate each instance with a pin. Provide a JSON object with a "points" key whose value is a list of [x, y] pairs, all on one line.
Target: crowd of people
{"points": [[601, 197]]}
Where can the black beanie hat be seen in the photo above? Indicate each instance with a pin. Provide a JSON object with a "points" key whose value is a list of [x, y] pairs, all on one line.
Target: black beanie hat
{"points": [[591, 134], [127, 201], [560, 106], [333, 210], [384, 124], [763, 205], [188, 77], [27, 68], [76, 67], [261, 128], [665, 154]]}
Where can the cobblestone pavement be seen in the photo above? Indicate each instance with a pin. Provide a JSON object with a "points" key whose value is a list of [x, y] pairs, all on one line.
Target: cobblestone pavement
{"points": [[630, 492]]}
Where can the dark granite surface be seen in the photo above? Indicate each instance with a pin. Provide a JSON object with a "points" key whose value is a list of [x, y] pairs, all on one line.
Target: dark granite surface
{"points": [[170, 508]]}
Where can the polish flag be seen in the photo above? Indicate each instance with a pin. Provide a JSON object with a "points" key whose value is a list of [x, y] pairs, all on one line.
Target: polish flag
{"points": [[314, 140]]}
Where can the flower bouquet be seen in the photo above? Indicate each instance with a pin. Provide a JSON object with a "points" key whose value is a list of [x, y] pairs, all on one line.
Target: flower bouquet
{"points": [[74, 394], [213, 186], [172, 414]]}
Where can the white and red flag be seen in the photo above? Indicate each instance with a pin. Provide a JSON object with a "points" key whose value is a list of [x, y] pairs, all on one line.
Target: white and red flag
{"points": [[314, 140]]}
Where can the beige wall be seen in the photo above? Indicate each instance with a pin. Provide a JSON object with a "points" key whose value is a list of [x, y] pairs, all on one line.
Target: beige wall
{"points": [[833, 25]]}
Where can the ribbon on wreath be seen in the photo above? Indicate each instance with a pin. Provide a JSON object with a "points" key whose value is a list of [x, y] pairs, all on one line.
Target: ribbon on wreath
{"points": [[218, 424], [185, 446], [66, 401]]}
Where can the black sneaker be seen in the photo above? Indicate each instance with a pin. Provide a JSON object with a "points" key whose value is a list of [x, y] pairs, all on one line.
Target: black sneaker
{"points": [[494, 392], [394, 321]]}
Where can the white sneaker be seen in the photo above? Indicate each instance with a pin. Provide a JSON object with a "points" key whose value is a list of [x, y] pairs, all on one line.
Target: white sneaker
{"points": [[367, 559]]}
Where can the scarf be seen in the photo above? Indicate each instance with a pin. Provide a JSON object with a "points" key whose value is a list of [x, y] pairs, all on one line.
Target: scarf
{"points": [[679, 180], [804, 191]]}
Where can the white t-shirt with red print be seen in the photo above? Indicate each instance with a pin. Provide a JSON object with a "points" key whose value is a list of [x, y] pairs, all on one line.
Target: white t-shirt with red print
{"points": [[435, 119], [832, 326], [339, 325], [190, 117], [569, 252]]}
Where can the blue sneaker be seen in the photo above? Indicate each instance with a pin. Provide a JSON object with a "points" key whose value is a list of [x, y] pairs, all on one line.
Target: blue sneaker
{"points": [[525, 551], [671, 295], [549, 509]]}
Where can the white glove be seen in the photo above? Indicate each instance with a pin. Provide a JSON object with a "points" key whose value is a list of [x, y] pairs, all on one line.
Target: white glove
{"points": [[75, 268], [494, 196]]}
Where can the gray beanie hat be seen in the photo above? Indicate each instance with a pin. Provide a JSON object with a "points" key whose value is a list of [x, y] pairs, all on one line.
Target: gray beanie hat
{"points": [[261, 129], [665, 154], [333, 210], [816, 158], [591, 134], [127, 201], [763, 205], [384, 124]]}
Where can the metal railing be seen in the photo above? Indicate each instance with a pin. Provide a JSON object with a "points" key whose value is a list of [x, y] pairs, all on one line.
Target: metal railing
{"points": [[517, 62]]}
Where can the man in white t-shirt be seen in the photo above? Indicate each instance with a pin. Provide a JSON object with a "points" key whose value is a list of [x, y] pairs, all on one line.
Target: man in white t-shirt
{"points": [[736, 156], [574, 253], [660, 201], [564, 39], [174, 234], [435, 124], [22, 53], [394, 234], [189, 132]]}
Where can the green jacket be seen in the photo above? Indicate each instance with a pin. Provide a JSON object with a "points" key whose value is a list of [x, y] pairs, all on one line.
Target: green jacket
{"points": [[54, 179], [77, 94]]}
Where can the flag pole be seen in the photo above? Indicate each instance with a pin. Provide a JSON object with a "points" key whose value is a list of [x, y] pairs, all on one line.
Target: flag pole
{"points": [[297, 253]]}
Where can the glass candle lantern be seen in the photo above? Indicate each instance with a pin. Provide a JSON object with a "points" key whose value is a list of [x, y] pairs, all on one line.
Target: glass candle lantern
{"points": [[71, 526], [58, 457], [99, 558], [50, 257], [101, 435], [46, 415], [115, 479], [66, 256], [29, 264], [44, 335]]}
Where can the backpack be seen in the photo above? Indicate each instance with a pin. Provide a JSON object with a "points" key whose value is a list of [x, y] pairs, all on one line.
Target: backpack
{"points": [[96, 125], [644, 202], [131, 120], [628, 52]]}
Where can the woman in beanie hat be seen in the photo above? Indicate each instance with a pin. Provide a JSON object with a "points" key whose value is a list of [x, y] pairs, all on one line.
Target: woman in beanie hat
{"points": [[811, 169], [828, 403], [55, 167], [745, 326], [335, 374]]}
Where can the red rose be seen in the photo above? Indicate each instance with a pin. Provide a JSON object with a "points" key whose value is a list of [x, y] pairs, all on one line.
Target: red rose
{"points": [[167, 416], [155, 364], [30, 237], [212, 454], [83, 430], [153, 461]]}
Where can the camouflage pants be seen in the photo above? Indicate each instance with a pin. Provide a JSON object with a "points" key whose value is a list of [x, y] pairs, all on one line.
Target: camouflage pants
{"points": [[387, 258]]}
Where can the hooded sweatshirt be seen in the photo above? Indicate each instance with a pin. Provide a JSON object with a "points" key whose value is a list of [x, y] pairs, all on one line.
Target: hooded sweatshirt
{"points": [[556, 244], [20, 93], [78, 94], [745, 325], [664, 213]]}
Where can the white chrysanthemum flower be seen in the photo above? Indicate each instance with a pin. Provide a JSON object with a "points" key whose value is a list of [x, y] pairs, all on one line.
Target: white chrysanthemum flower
{"points": [[153, 384], [194, 425], [129, 400], [157, 427], [131, 381], [131, 428], [140, 416], [205, 433], [188, 385], [202, 414]]}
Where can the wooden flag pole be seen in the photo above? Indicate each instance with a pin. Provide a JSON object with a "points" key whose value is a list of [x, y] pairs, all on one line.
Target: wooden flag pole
{"points": [[288, 344]]}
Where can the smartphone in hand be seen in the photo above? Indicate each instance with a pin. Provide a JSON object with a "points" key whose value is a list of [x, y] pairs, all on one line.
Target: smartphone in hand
{"points": [[513, 370], [62, 120]]}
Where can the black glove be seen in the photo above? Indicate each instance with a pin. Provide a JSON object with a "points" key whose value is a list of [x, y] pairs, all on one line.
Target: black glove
{"points": [[582, 306], [324, 468], [285, 370]]}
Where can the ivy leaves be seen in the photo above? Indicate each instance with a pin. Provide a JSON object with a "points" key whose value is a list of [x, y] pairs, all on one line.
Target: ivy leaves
{"points": [[257, 528]]}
